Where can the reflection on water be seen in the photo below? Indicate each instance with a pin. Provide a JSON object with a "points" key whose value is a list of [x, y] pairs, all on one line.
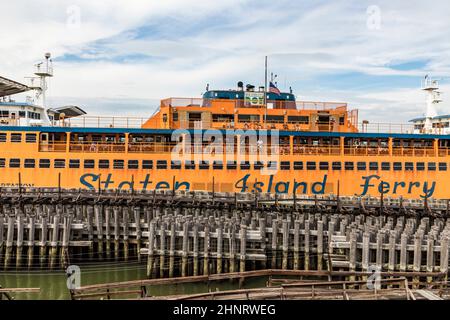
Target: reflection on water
{"points": [[53, 284]]}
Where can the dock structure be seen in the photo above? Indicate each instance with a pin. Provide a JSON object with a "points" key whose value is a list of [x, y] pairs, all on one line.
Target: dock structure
{"points": [[182, 234]]}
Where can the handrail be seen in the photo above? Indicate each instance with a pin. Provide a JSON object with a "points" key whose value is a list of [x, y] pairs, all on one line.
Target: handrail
{"points": [[282, 149]]}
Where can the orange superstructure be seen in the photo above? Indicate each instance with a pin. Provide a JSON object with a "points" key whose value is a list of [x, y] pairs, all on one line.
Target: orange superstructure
{"points": [[231, 141]]}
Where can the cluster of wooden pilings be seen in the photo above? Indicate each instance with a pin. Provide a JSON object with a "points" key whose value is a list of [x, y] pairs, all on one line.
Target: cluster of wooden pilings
{"points": [[200, 233]]}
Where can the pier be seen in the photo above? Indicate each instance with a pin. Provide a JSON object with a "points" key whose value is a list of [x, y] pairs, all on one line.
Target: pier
{"points": [[180, 234]]}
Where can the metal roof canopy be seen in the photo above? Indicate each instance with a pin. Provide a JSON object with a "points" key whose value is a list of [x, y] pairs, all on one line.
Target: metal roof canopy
{"points": [[69, 112], [9, 87]]}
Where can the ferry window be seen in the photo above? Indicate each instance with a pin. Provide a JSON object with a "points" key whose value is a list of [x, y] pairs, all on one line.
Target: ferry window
{"points": [[298, 165], [361, 166], [147, 164], [274, 119], [285, 165], [16, 137], [341, 121], [133, 164], [118, 164], [373, 166], [298, 119], [74, 163], [2, 162], [89, 164], [385, 166], [29, 163], [14, 163], [44, 163], [310, 165], [272, 165], [4, 114], [324, 165], [245, 165], [190, 165], [248, 117], [22, 114], [397, 166], [30, 138], [409, 166], [2, 137], [420, 166], [161, 164], [442, 166], [231, 165], [432, 166], [205, 165], [258, 165], [59, 164], [349, 166], [175, 116], [175, 164], [218, 165], [223, 117], [103, 164], [337, 166]]}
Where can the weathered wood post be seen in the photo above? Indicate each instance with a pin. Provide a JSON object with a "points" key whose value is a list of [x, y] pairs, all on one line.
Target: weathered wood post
{"points": [[285, 261], [219, 246], [137, 220], [417, 257], [108, 230], [90, 229], [320, 245], [403, 251], [352, 258], [307, 244], [151, 245], [31, 234], [66, 238], [172, 249], [430, 256], [443, 268], [185, 253], [19, 242], [262, 229], [296, 244], [126, 230], [232, 247], [243, 238], [195, 244], [365, 253], [162, 249], [2, 222], [98, 209], [116, 231], [206, 241], [274, 243], [9, 238], [55, 238], [43, 236]]}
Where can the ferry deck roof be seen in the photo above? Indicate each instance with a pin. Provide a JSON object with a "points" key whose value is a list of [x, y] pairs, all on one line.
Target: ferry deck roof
{"points": [[9, 87]]}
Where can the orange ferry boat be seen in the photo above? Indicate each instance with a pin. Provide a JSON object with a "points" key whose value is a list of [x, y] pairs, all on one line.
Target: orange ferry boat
{"points": [[241, 140]]}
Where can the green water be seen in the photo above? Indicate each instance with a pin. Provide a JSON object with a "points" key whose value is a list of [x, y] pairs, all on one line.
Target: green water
{"points": [[53, 284]]}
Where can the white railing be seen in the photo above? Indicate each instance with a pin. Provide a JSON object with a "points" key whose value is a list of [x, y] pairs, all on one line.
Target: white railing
{"points": [[404, 128], [102, 122]]}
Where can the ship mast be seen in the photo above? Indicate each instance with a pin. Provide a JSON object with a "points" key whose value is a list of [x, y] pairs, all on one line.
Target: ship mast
{"points": [[265, 91], [431, 87]]}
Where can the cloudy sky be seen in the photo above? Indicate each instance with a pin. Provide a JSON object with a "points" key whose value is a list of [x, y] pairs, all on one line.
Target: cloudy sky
{"points": [[122, 56]]}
